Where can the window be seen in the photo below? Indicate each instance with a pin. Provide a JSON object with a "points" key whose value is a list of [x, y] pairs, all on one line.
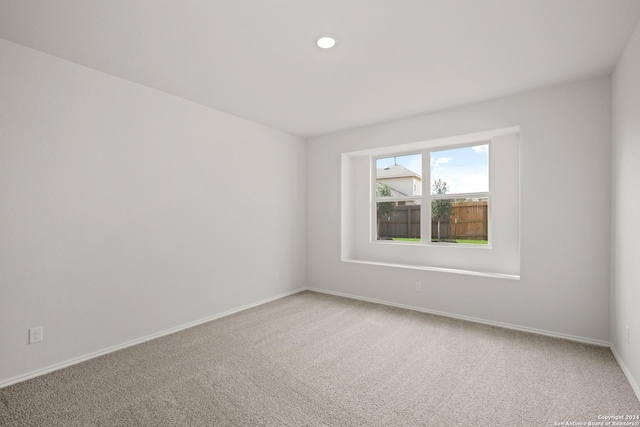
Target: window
{"points": [[398, 197], [451, 203]]}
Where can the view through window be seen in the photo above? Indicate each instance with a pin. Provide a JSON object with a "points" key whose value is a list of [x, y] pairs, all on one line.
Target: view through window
{"points": [[449, 202]]}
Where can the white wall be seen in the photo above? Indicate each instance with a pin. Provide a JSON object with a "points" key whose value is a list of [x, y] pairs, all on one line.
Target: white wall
{"points": [[122, 215], [625, 290], [565, 214]]}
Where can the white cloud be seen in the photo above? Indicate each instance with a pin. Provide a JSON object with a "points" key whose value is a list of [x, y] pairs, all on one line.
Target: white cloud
{"points": [[462, 181], [481, 148], [441, 160]]}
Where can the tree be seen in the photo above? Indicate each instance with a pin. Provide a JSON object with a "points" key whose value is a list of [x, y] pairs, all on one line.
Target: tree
{"points": [[440, 208], [384, 209]]}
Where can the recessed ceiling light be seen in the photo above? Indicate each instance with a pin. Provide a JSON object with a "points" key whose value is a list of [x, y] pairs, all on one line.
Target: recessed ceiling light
{"points": [[326, 42]]}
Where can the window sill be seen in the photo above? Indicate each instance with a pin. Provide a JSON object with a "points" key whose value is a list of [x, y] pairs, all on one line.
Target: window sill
{"points": [[433, 244], [438, 269]]}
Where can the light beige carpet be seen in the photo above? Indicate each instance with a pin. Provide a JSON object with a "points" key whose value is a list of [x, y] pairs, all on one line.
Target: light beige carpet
{"points": [[314, 359]]}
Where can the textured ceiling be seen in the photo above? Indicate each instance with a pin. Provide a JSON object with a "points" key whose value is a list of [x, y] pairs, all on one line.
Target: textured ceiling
{"points": [[257, 59]]}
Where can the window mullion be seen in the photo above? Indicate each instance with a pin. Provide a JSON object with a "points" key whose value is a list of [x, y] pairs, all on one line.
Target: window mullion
{"points": [[425, 202]]}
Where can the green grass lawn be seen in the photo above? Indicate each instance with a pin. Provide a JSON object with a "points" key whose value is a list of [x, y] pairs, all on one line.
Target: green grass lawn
{"points": [[468, 242], [473, 242]]}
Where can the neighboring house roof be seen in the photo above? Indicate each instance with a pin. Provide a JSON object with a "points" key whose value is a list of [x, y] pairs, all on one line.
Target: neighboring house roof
{"points": [[396, 171], [396, 193]]}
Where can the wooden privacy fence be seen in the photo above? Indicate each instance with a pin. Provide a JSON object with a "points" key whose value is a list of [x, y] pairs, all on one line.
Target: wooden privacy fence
{"points": [[468, 220], [404, 222]]}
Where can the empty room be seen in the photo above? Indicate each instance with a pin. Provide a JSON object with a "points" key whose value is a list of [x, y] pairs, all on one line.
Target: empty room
{"points": [[331, 213]]}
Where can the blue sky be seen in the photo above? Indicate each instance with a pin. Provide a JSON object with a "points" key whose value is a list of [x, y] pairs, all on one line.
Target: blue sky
{"points": [[465, 170]]}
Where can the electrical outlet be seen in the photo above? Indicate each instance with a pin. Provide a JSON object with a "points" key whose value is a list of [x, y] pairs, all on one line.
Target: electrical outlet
{"points": [[276, 276], [418, 286], [35, 335]]}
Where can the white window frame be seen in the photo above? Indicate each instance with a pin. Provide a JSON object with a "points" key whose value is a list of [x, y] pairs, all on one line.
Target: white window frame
{"points": [[426, 197]]}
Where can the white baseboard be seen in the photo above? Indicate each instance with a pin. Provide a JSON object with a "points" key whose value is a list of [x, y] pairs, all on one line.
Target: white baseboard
{"points": [[627, 373], [99, 353], [470, 319]]}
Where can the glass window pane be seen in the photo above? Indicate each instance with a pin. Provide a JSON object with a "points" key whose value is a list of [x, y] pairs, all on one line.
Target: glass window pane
{"points": [[399, 221], [460, 170], [460, 221], [399, 176]]}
